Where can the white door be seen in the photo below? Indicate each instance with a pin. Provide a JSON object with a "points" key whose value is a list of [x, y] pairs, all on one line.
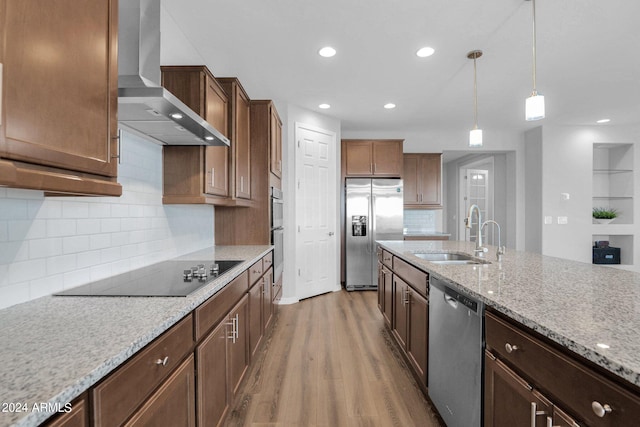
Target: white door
{"points": [[475, 191], [316, 212]]}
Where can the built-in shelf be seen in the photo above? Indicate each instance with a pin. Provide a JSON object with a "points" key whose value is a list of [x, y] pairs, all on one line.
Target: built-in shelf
{"points": [[622, 241], [613, 179]]}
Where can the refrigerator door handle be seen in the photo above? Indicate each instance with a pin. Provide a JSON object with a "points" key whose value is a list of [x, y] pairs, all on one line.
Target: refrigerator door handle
{"points": [[373, 225], [369, 227]]}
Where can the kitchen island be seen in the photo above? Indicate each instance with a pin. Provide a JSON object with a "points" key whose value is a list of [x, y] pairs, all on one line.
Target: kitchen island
{"points": [[552, 307], [55, 348]]}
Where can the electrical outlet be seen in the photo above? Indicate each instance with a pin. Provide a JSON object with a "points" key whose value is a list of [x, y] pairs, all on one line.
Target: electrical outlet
{"points": [[563, 220], [548, 220]]}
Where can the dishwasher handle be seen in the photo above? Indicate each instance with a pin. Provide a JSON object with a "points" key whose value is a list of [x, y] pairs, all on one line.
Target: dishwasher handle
{"points": [[451, 301], [470, 303]]}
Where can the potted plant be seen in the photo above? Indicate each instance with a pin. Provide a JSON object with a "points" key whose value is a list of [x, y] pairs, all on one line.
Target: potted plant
{"points": [[604, 215]]}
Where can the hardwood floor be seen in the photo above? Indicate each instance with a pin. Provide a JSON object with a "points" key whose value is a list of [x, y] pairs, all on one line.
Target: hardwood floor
{"points": [[330, 361]]}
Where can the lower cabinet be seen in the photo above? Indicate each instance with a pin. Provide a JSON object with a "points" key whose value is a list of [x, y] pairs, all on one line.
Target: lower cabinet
{"points": [[174, 402], [213, 390], [77, 417], [522, 367], [260, 305], [238, 353], [409, 316]]}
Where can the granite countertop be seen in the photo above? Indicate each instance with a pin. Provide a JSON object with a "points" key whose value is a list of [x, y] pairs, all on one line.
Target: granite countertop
{"points": [[54, 348], [581, 306]]}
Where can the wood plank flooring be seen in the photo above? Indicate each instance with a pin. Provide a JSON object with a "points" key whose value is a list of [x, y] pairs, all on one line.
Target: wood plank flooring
{"points": [[330, 361]]}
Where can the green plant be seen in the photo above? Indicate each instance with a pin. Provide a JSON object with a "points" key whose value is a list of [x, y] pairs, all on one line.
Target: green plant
{"points": [[605, 213]]}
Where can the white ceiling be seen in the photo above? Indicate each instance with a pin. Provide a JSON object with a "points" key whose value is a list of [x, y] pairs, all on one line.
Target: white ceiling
{"points": [[588, 57]]}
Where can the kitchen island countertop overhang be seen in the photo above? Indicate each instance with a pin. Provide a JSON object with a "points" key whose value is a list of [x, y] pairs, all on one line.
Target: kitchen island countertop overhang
{"points": [[592, 310], [54, 348]]}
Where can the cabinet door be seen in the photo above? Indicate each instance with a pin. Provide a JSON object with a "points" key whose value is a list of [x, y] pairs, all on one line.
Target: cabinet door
{"points": [[60, 76], [418, 333], [256, 296], [216, 158], [217, 171], [387, 158], [430, 187], [242, 147], [358, 158], [275, 143], [388, 295], [400, 295], [173, 404], [410, 179], [238, 347], [211, 363], [561, 419], [509, 399], [380, 288]]}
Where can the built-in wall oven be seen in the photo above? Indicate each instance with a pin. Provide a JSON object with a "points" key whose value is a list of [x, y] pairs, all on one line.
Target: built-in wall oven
{"points": [[277, 232]]}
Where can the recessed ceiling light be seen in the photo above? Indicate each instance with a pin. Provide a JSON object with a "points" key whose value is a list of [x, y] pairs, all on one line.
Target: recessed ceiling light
{"points": [[425, 51], [603, 121], [389, 106], [324, 106], [603, 345], [327, 52], [176, 116]]}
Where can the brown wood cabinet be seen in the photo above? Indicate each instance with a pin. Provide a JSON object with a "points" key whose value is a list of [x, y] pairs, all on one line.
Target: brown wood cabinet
{"points": [[173, 404], [77, 417], [58, 123], [260, 303], [375, 158], [422, 180], [402, 299], [275, 143], [117, 397], [577, 387], [251, 225], [239, 134], [197, 174]]}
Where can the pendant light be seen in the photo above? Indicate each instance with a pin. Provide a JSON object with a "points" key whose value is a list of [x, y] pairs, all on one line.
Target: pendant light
{"points": [[534, 105], [475, 135]]}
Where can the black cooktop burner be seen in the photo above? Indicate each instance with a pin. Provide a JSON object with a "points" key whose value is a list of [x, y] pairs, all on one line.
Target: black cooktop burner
{"points": [[165, 279]]}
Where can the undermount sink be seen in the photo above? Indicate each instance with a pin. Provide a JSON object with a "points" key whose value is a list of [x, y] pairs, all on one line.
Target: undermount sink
{"points": [[449, 258]]}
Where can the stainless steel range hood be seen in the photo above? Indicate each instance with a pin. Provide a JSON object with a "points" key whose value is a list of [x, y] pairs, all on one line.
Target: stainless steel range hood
{"points": [[144, 106]]}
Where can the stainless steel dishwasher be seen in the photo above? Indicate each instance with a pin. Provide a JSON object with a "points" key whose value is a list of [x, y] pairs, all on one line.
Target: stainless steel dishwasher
{"points": [[456, 343]]}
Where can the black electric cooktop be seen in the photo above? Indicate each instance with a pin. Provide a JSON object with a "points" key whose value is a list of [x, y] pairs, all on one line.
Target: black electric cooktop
{"points": [[165, 279]]}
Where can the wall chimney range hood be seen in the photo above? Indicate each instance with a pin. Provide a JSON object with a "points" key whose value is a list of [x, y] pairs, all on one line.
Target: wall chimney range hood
{"points": [[145, 107]]}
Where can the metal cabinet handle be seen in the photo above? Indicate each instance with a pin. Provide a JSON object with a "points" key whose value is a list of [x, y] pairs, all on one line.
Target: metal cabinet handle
{"points": [[405, 300], [232, 337], [237, 326], [535, 413], [599, 409], [511, 348], [162, 362]]}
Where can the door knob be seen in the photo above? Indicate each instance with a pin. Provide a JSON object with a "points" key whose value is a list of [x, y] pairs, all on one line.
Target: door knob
{"points": [[331, 233]]}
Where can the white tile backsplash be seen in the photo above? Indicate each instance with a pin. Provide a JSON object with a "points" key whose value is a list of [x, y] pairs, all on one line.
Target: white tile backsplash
{"points": [[50, 244], [422, 220]]}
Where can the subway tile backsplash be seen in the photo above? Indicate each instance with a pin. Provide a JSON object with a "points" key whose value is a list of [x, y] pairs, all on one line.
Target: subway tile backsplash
{"points": [[52, 243], [422, 221]]}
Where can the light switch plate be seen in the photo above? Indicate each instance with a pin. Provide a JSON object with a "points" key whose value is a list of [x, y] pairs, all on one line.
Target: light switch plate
{"points": [[563, 220], [548, 220]]}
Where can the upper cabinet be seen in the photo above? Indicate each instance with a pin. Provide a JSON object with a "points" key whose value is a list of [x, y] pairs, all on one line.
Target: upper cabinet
{"points": [[372, 158], [423, 180], [239, 134], [275, 142], [212, 175], [58, 117]]}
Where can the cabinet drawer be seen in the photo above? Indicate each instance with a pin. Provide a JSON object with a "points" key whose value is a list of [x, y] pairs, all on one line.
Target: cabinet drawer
{"points": [[115, 399], [418, 279], [568, 380], [210, 312], [387, 259], [255, 272]]}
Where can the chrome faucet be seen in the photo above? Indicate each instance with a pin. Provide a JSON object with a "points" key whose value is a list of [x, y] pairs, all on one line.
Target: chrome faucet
{"points": [[501, 249], [479, 250]]}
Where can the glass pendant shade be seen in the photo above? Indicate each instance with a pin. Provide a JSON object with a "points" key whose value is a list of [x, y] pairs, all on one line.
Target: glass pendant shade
{"points": [[475, 138], [534, 107]]}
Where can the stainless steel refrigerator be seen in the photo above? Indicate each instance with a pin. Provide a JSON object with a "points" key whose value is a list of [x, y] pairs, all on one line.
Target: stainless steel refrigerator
{"points": [[374, 209]]}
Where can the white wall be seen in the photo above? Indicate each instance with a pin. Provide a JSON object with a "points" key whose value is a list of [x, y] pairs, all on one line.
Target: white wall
{"points": [[567, 167], [52, 243], [290, 114]]}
